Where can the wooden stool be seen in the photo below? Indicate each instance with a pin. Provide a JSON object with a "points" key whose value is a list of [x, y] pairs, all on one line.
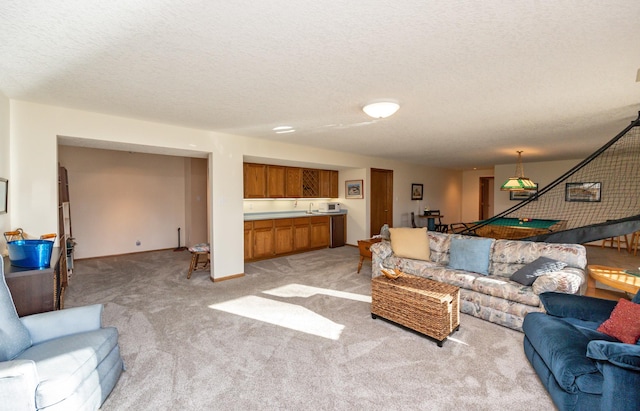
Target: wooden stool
{"points": [[197, 251], [617, 240], [635, 239]]}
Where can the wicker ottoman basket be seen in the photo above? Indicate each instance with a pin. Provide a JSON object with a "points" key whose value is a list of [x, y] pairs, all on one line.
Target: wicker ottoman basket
{"points": [[423, 305]]}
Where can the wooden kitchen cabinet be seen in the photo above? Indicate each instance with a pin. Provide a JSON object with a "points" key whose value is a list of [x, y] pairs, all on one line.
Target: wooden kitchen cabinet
{"points": [[274, 181], [301, 234], [320, 231], [283, 235], [293, 180], [248, 240], [263, 239], [269, 238], [255, 180], [328, 183], [276, 177]]}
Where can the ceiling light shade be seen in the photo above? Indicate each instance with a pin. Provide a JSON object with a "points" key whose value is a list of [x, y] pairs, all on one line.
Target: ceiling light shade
{"points": [[519, 182], [381, 109]]}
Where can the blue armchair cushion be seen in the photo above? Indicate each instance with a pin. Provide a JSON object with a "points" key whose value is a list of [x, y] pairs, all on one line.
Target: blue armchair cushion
{"points": [[541, 265], [63, 364], [470, 254], [562, 347], [14, 336], [579, 307], [624, 322]]}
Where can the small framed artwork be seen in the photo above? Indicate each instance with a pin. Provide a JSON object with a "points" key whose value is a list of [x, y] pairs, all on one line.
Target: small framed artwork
{"points": [[524, 195], [416, 191], [4, 193], [353, 189], [583, 192]]}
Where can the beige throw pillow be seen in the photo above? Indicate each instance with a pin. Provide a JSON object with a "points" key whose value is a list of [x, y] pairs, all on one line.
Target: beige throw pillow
{"points": [[410, 243]]}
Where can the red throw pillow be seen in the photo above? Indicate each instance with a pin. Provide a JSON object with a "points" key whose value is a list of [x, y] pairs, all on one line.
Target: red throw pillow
{"points": [[624, 322]]}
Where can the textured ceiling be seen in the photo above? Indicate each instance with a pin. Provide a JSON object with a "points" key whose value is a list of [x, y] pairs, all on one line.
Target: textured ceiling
{"points": [[476, 81]]}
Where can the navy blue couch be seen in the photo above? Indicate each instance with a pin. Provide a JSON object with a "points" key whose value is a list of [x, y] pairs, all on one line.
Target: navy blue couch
{"points": [[581, 368]]}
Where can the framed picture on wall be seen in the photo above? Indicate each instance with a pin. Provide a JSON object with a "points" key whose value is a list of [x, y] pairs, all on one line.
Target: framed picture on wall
{"points": [[524, 195], [583, 192], [416, 191], [4, 193], [353, 189]]}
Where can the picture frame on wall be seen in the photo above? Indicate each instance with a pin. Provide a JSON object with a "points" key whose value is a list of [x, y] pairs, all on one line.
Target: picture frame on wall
{"points": [[583, 192], [4, 194], [524, 194], [416, 191], [353, 189]]}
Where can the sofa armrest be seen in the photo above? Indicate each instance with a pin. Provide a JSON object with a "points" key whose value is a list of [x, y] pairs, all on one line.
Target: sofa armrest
{"points": [[620, 367], [18, 382], [577, 306], [54, 324], [620, 354], [379, 252], [569, 280]]}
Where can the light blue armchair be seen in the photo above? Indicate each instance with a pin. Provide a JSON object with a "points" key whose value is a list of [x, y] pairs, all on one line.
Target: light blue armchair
{"points": [[59, 360]]}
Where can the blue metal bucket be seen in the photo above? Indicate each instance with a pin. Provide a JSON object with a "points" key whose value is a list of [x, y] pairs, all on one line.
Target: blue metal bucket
{"points": [[30, 253]]}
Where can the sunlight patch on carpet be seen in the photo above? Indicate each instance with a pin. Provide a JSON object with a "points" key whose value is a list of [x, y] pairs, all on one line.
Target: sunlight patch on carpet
{"points": [[281, 314], [305, 291]]}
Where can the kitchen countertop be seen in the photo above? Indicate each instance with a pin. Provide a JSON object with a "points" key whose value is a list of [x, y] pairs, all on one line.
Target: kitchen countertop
{"points": [[272, 215]]}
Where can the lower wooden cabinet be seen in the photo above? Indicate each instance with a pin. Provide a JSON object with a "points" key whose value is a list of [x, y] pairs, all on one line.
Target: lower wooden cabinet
{"points": [[270, 238], [301, 234], [263, 245], [319, 232], [283, 236]]}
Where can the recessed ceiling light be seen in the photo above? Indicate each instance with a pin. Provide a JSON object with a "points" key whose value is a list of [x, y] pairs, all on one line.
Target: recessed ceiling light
{"points": [[285, 131], [282, 128]]}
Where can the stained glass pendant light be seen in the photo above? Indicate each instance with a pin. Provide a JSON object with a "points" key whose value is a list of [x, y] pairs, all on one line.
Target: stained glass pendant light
{"points": [[519, 182]]}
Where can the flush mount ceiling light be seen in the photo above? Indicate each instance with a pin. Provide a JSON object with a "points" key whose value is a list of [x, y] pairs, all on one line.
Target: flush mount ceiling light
{"points": [[381, 109], [519, 182]]}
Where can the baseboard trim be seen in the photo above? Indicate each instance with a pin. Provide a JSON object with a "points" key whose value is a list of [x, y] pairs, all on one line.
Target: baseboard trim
{"points": [[227, 277]]}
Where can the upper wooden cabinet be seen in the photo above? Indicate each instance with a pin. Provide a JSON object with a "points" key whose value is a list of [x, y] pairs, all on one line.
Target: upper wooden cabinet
{"points": [[276, 181], [255, 180], [293, 182], [328, 181], [271, 181]]}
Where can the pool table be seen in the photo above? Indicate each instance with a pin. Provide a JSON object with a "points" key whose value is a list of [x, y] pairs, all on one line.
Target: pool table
{"points": [[515, 228]]}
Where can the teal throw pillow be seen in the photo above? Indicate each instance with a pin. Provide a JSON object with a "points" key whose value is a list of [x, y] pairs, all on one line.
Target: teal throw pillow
{"points": [[470, 254]]}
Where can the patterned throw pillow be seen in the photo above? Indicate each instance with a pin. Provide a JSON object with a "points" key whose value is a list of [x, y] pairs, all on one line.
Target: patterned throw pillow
{"points": [[624, 322], [542, 265]]}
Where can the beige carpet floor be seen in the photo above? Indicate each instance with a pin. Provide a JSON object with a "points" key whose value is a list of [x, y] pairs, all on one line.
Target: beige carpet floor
{"points": [[295, 333]]}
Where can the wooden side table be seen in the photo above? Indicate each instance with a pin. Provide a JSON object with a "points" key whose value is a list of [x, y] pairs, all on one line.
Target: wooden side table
{"points": [[613, 277], [364, 247]]}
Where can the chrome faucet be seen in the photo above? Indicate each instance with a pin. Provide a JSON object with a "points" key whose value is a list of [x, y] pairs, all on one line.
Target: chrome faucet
{"points": [[310, 205]]}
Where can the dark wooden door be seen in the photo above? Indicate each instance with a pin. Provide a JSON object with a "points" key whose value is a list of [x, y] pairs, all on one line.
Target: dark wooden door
{"points": [[381, 199], [486, 198]]}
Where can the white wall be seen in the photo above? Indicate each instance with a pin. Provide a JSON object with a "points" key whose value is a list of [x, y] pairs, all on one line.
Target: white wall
{"points": [[120, 198], [34, 130], [4, 165]]}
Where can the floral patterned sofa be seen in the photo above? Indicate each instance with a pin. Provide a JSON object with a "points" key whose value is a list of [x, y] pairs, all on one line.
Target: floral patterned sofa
{"points": [[493, 297]]}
